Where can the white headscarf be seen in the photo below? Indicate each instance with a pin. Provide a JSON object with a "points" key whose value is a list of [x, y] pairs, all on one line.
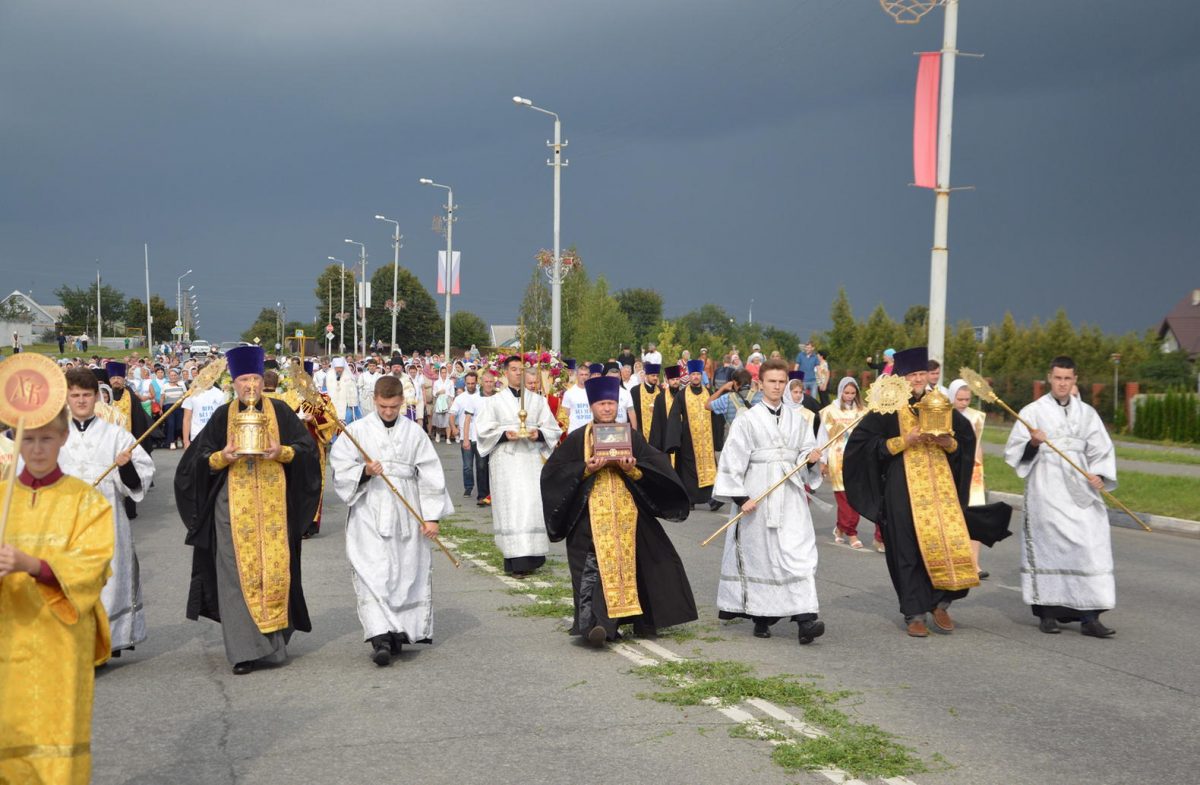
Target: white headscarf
{"points": [[845, 382], [955, 386], [787, 394]]}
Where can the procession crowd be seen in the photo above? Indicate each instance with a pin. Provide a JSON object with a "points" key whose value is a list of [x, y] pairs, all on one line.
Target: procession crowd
{"points": [[595, 452]]}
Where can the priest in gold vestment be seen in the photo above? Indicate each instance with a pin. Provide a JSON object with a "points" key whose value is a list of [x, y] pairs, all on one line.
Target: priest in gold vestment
{"points": [[53, 630], [624, 569], [246, 516], [915, 486]]}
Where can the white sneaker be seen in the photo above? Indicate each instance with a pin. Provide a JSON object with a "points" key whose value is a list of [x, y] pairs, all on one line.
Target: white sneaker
{"points": [[438, 439], [172, 445]]}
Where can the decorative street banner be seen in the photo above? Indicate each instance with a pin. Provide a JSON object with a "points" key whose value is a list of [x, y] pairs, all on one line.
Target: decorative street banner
{"points": [[925, 121], [442, 272]]}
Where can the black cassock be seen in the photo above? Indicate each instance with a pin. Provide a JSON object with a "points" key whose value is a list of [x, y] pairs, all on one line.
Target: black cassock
{"points": [[677, 440], [664, 593], [658, 422], [196, 489], [877, 488], [139, 423]]}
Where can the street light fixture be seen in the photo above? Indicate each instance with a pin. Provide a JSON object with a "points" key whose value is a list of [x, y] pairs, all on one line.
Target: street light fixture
{"points": [[179, 302], [361, 297], [396, 238], [342, 308], [556, 269], [449, 254]]}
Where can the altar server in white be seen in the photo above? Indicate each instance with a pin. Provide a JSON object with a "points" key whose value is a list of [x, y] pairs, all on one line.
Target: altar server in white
{"points": [[1066, 546], [515, 468], [389, 558], [768, 570], [93, 445]]}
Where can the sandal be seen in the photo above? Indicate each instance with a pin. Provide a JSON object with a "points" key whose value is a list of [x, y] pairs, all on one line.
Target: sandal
{"points": [[879, 547], [837, 536], [856, 543]]}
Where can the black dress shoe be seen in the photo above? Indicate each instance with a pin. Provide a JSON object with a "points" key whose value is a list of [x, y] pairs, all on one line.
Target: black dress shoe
{"points": [[762, 630], [467, 494], [1049, 624], [983, 575], [242, 668], [1096, 630], [714, 506], [382, 656], [810, 631], [596, 636]]}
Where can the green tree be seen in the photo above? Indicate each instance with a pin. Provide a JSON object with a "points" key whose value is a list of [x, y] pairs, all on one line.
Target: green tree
{"points": [[163, 316], [418, 325], [329, 294], [81, 306], [15, 310], [467, 329], [535, 310], [840, 341], [916, 325], [668, 344], [265, 329], [880, 332], [644, 307], [602, 326], [575, 290]]}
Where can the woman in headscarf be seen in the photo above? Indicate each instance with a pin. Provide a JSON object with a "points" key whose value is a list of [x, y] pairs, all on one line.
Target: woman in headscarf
{"points": [[836, 421], [960, 396]]}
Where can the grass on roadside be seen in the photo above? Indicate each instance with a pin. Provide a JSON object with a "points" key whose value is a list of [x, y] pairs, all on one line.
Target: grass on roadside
{"points": [[1157, 494], [860, 749]]}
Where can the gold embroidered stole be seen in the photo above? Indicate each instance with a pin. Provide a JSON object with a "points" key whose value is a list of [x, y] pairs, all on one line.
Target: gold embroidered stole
{"points": [[122, 405], [937, 515], [836, 419], [646, 409], [700, 426], [613, 514], [258, 520], [978, 491]]}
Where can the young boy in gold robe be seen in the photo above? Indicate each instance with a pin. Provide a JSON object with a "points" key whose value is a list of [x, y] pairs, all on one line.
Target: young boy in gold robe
{"points": [[54, 561]]}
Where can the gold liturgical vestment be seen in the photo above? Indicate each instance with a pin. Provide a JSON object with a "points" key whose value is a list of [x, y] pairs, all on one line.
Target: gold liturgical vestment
{"points": [[937, 516], [646, 410], [613, 514], [52, 638], [700, 426], [258, 523]]}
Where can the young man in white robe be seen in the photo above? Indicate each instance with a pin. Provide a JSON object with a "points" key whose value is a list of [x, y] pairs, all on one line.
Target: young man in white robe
{"points": [[390, 558], [92, 446], [768, 570], [1066, 545], [366, 386], [515, 468]]}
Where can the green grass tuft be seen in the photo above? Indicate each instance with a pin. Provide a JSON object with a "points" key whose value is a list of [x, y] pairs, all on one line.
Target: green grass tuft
{"points": [[859, 750]]}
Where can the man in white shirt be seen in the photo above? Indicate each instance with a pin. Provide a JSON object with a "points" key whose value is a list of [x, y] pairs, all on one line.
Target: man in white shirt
{"points": [[652, 355], [466, 404], [320, 374], [575, 400], [198, 409]]}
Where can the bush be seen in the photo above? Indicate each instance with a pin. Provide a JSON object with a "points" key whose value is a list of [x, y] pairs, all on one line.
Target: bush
{"points": [[1174, 416]]}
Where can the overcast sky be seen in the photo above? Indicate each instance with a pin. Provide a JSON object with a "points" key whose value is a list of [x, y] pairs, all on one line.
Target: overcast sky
{"points": [[719, 151]]}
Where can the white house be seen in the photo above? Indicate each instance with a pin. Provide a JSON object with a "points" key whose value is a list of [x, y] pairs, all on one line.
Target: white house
{"points": [[45, 319]]}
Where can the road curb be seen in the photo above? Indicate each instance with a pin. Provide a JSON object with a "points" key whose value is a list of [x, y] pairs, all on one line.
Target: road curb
{"points": [[1161, 524]]}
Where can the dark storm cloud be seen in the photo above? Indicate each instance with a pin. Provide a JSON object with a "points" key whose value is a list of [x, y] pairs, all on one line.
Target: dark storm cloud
{"points": [[762, 148]]}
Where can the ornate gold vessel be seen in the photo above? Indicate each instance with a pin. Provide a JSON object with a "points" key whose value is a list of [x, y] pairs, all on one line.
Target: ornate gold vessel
{"points": [[936, 414], [250, 428]]}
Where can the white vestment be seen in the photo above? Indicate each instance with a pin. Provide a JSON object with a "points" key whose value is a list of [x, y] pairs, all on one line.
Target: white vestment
{"points": [[770, 559], [515, 470], [343, 391], [390, 559], [1066, 545], [366, 390], [86, 455]]}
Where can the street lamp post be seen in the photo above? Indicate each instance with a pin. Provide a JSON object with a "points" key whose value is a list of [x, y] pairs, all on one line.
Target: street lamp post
{"points": [[396, 238], [1116, 361], [362, 298], [179, 302], [556, 270], [449, 254], [341, 308]]}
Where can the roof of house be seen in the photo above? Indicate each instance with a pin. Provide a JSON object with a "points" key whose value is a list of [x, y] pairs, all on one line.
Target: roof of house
{"points": [[1184, 323], [503, 335], [48, 313]]}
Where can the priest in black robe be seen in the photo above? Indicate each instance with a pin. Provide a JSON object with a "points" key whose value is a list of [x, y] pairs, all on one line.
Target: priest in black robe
{"points": [[136, 419], [624, 569], [662, 409], [888, 462], [245, 519], [691, 438], [645, 395]]}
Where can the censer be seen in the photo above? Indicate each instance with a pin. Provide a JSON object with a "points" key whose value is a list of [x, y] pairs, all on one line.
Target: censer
{"points": [[936, 414], [250, 428]]}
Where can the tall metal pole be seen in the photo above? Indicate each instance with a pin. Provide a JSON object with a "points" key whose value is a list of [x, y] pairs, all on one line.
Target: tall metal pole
{"points": [[940, 257], [99, 324], [449, 266], [354, 309], [149, 318], [395, 282], [556, 279], [342, 314], [366, 286]]}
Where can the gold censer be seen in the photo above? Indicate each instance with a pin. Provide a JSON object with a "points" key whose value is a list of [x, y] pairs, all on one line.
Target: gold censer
{"points": [[936, 414], [250, 428]]}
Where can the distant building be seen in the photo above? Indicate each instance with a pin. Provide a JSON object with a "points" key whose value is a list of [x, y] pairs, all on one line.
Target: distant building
{"points": [[42, 320], [1180, 330], [504, 336]]}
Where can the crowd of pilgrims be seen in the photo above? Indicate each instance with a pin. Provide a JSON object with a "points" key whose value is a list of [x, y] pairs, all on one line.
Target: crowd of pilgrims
{"points": [[526, 427]]}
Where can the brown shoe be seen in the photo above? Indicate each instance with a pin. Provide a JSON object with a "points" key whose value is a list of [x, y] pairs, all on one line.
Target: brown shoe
{"points": [[942, 620], [917, 629]]}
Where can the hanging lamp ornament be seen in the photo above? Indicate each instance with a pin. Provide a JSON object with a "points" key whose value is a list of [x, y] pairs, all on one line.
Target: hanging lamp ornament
{"points": [[908, 12]]}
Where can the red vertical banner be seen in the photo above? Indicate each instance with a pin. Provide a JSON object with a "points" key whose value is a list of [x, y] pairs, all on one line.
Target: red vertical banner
{"points": [[925, 121]]}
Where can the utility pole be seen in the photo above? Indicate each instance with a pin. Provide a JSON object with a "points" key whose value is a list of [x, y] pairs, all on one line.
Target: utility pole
{"points": [[149, 317], [449, 254]]}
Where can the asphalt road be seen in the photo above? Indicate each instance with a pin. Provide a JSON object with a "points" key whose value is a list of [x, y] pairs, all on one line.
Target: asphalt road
{"points": [[501, 699]]}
